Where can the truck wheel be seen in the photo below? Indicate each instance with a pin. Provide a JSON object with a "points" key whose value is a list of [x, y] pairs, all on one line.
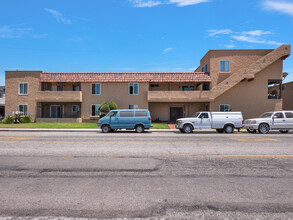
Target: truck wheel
{"points": [[251, 130], [284, 131], [139, 128], [229, 129], [220, 130], [106, 129], [263, 128], [187, 129]]}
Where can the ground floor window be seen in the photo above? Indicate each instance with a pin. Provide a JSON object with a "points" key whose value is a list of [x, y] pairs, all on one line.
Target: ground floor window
{"points": [[23, 108], [75, 108], [133, 106], [95, 110], [224, 108]]}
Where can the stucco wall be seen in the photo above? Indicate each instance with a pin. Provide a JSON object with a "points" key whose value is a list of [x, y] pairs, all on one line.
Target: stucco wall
{"points": [[287, 95], [12, 78], [117, 92], [251, 97]]}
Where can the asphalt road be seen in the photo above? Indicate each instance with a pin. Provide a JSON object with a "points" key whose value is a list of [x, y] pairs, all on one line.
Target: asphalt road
{"points": [[165, 175]]}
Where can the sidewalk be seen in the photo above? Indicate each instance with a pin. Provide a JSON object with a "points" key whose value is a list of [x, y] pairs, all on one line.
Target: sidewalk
{"points": [[72, 130]]}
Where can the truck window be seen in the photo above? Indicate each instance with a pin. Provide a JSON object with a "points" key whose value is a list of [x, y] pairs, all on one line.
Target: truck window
{"points": [[279, 115], [204, 115], [289, 114]]}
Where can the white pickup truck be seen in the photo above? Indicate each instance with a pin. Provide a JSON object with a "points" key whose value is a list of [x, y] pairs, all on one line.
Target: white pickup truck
{"points": [[221, 121]]}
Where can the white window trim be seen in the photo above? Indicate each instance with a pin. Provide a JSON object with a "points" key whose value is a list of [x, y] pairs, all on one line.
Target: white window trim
{"points": [[26, 108], [224, 108], [19, 88], [133, 89], [73, 106], [229, 66], [96, 110], [92, 88]]}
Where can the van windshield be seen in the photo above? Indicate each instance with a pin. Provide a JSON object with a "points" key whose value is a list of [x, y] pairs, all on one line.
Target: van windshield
{"points": [[266, 115], [113, 113], [196, 115]]}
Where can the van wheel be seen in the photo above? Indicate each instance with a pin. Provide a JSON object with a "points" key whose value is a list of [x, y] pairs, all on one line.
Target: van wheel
{"points": [[187, 129], [263, 128], [229, 129], [139, 128], [284, 131], [220, 130], [251, 130], [106, 129]]}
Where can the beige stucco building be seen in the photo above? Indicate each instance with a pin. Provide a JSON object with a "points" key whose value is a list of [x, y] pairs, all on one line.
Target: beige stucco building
{"points": [[226, 80]]}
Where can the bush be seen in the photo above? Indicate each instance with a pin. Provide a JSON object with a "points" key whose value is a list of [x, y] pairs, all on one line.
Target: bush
{"points": [[104, 108], [25, 119], [7, 120], [113, 105]]}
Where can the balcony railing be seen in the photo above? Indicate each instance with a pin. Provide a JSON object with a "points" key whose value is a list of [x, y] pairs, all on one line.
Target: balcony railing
{"points": [[59, 96], [178, 96]]}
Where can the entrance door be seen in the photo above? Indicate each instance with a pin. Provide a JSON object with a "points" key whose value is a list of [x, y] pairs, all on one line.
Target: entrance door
{"points": [[175, 113], [56, 111]]}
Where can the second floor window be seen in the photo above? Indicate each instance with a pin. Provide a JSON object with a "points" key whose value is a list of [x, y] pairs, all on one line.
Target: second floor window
{"points": [[23, 88], [204, 68], [225, 66], [96, 89], [133, 88]]}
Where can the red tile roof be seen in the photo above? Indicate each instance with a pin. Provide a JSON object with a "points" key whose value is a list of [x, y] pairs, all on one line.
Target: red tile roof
{"points": [[126, 77]]}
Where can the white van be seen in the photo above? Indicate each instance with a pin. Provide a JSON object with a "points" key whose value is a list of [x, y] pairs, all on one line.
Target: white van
{"points": [[221, 121]]}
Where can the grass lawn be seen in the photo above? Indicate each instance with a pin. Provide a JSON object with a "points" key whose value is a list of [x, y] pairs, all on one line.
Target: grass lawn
{"points": [[67, 125]]}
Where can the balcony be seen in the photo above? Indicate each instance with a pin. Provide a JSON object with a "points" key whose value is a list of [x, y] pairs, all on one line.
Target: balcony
{"points": [[59, 96], [178, 96]]}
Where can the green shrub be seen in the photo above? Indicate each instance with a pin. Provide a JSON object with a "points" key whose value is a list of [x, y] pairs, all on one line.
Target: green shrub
{"points": [[113, 105], [25, 119], [104, 108], [8, 120]]}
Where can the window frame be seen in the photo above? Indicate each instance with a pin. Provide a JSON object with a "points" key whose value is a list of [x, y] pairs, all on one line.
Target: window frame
{"points": [[95, 110], [129, 84], [77, 108], [224, 107], [204, 67], [134, 106], [224, 66], [23, 111], [95, 88], [23, 88]]}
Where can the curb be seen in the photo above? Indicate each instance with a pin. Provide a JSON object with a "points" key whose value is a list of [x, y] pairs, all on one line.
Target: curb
{"points": [[71, 130]]}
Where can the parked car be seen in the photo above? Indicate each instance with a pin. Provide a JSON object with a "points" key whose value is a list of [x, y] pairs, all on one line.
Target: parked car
{"points": [[138, 119], [221, 121], [280, 120]]}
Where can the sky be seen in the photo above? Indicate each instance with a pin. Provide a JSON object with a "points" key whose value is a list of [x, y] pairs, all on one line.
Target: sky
{"points": [[136, 35]]}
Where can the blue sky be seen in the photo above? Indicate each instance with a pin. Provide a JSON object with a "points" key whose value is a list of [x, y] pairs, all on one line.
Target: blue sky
{"points": [[136, 35]]}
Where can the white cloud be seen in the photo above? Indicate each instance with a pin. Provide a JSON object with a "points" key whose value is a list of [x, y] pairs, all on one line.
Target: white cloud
{"points": [[167, 50], [181, 3], [248, 39], [58, 16], [280, 6], [216, 32], [143, 3], [14, 31], [230, 45], [152, 3], [256, 33]]}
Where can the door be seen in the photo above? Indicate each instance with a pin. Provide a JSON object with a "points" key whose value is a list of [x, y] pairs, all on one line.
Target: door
{"points": [[205, 121], [56, 111], [289, 120], [278, 121], [175, 113]]}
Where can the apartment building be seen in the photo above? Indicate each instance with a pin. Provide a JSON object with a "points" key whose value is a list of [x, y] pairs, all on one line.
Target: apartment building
{"points": [[226, 80], [2, 101]]}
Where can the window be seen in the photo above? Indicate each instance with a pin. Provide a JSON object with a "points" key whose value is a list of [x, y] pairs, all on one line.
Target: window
{"points": [[141, 114], [133, 106], [95, 110], [155, 85], [23, 108], [126, 114], [278, 115], [204, 68], [113, 114], [96, 88], [224, 108], [188, 88], [75, 88], [56, 88], [205, 86], [204, 115], [225, 66], [133, 88], [23, 88], [75, 108], [289, 114], [274, 88]]}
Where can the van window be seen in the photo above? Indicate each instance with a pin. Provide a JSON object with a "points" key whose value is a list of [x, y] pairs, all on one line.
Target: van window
{"points": [[126, 114], [141, 114], [289, 114], [113, 114]]}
